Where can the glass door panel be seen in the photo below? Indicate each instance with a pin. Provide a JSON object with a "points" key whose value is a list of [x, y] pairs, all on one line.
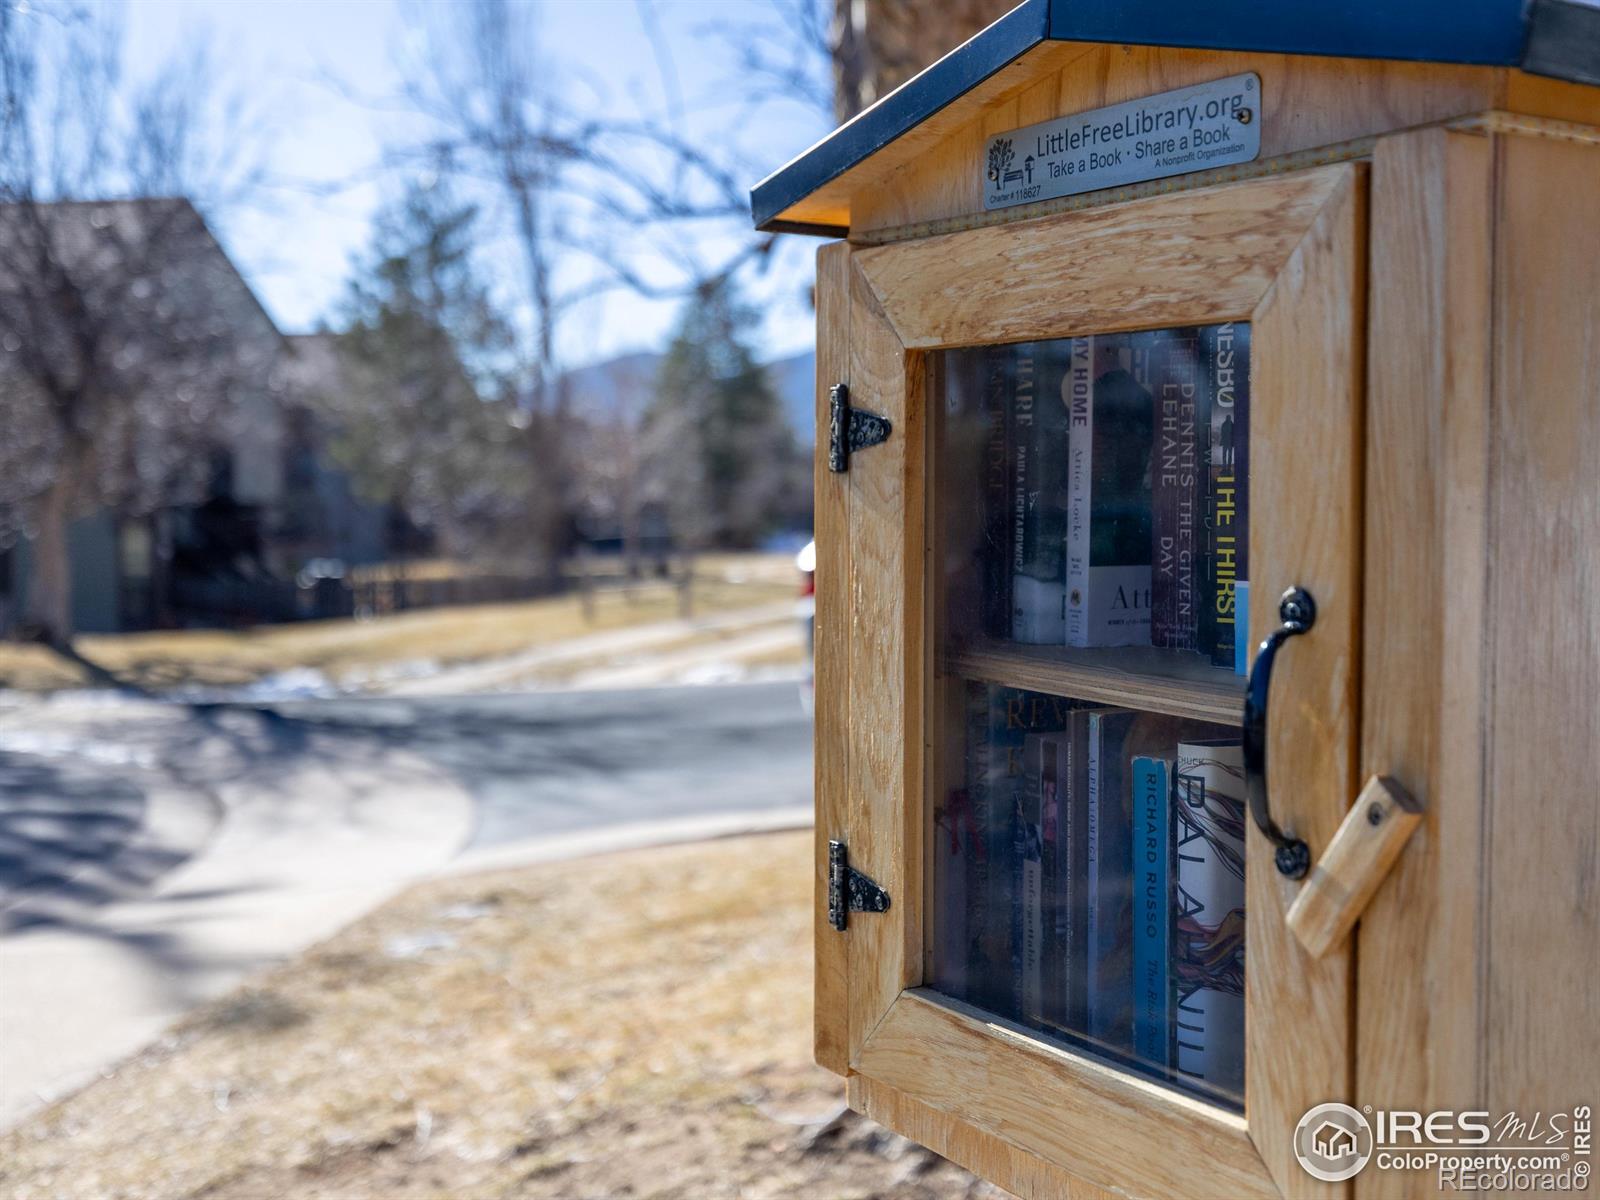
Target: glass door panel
{"points": [[1090, 519]]}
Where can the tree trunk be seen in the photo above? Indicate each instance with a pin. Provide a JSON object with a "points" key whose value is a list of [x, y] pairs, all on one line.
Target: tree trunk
{"points": [[49, 607]]}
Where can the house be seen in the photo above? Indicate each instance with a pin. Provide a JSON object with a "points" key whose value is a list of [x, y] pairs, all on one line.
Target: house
{"points": [[1333, 1141], [223, 549]]}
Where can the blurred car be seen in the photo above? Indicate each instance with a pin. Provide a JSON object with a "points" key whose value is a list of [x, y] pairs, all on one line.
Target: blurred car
{"points": [[805, 610]]}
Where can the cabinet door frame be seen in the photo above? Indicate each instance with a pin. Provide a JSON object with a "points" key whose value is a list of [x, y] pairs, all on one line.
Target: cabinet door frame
{"points": [[1289, 255]]}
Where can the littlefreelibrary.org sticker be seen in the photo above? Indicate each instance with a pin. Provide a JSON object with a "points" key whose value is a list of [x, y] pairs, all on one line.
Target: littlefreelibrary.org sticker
{"points": [[1216, 124]]}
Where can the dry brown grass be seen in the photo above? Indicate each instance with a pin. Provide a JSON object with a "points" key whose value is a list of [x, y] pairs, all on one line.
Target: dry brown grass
{"points": [[636, 1025], [342, 649]]}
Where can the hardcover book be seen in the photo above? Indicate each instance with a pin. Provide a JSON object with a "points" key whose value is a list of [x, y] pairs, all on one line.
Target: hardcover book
{"points": [[998, 968], [954, 851], [1038, 507], [1152, 907], [1054, 765], [1108, 484], [1108, 981], [1208, 928], [996, 559], [1177, 494], [1226, 358], [1029, 913]]}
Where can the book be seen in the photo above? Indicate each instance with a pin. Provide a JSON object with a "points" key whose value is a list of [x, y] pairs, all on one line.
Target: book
{"points": [[1176, 492], [1029, 910], [1108, 901], [1208, 920], [996, 969], [1241, 641], [995, 611], [977, 976], [1072, 881], [953, 852], [1226, 381], [1054, 765], [1038, 439], [1152, 907], [1108, 492]]}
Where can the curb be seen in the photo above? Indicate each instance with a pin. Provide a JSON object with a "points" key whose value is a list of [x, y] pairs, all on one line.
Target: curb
{"points": [[639, 835]]}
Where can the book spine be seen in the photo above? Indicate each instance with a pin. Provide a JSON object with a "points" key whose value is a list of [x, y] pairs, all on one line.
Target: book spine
{"points": [[1093, 914], [1209, 924], [1027, 920], [1052, 1010], [1108, 984], [1226, 382], [952, 860], [1108, 577], [1080, 461], [1176, 492], [1152, 998], [1038, 428], [1076, 943], [1241, 605], [978, 874], [996, 611]]}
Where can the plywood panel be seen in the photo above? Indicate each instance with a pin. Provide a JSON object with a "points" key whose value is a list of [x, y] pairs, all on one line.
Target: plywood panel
{"points": [[832, 661], [1017, 1171], [1541, 900], [1420, 1003], [1308, 342], [1204, 255], [1115, 1131], [886, 662]]}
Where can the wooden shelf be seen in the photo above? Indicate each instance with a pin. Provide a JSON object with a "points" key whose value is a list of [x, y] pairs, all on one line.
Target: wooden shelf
{"points": [[1141, 677]]}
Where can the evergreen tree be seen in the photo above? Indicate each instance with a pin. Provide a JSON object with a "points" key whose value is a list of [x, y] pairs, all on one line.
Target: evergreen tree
{"points": [[718, 447], [422, 416]]}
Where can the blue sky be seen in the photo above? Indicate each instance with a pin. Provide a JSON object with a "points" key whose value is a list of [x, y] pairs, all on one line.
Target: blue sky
{"points": [[320, 75]]}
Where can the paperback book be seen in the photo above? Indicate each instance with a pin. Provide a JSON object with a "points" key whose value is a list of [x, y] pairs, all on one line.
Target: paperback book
{"points": [[1226, 357], [1208, 927], [1177, 493], [1108, 981], [997, 974], [1038, 440], [1152, 908], [1108, 485]]}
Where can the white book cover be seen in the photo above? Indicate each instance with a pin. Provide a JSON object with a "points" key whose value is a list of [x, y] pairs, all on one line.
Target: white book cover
{"points": [[1208, 938], [1039, 610]]}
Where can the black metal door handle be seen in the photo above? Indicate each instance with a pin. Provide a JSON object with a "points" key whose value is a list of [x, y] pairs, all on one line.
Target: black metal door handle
{"points": [[1298, 611]]}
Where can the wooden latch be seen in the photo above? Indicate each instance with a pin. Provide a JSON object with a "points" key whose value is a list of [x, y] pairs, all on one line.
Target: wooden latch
{"points": [[1342, 881]]}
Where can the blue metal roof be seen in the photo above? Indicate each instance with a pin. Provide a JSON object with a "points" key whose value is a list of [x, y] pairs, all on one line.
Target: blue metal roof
{"points": [[1560, 38]]}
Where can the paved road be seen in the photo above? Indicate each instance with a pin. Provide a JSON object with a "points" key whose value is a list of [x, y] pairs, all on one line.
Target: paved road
{"points": [[560, 762], [152, 855]]}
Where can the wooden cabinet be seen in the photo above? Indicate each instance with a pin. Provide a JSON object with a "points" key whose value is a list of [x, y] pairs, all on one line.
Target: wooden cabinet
{"points": [[1419, 308]]}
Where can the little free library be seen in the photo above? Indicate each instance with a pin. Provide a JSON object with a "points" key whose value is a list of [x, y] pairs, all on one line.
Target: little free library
{"points": [[1207, 639]]}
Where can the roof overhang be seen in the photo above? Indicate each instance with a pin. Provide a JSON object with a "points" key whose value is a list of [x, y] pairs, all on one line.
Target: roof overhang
{"points": [[1558, 38]]}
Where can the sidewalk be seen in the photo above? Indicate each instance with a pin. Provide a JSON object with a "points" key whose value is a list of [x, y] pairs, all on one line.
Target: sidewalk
{"points": [[636, 1024], [299, 852], [581, 653]]}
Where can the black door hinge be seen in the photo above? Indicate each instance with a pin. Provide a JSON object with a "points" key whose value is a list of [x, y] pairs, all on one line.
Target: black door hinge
{"points": [[849, 890], [850, 429]]}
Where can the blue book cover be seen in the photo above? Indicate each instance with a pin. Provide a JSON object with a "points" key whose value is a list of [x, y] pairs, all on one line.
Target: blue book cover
{"points": [[1152, 908], [1241, 644]]}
